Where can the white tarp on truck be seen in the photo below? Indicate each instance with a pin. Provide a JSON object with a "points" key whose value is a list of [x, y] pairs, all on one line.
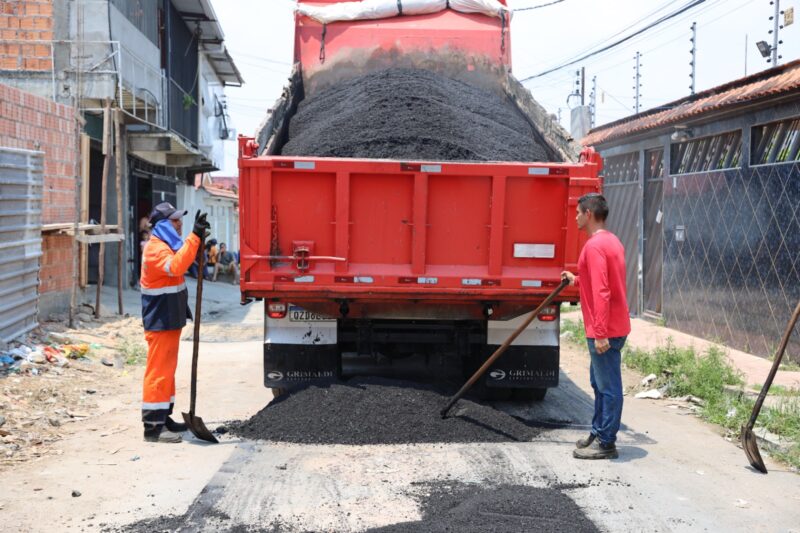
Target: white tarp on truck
{"points": [[378, 9]]}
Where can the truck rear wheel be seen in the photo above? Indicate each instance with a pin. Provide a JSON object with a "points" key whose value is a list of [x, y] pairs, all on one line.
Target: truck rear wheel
{"points": [[277, 392]]}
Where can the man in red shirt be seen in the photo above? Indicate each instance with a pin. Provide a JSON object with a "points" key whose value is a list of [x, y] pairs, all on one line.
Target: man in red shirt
{"points": [[601, 279]]}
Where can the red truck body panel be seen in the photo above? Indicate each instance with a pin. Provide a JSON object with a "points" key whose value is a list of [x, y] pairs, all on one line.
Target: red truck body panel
{"points": [[478, 37], [391, 230]]}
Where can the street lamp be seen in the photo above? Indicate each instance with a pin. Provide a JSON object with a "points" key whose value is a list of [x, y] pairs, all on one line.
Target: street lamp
{"points": [[764, 48]]}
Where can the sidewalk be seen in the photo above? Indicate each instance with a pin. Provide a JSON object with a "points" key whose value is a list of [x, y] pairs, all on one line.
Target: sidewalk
{"points": [[646, 335]]}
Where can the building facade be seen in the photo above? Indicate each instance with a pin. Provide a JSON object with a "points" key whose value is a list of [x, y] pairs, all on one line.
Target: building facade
{"points": [[704, 193], [156, 68]]}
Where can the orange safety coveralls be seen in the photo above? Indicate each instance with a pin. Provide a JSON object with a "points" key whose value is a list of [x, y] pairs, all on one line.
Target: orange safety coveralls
{"points": [[165, 308]]}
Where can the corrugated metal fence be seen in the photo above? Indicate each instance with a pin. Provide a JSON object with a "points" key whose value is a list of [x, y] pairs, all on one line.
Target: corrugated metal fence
{"points": [[20, 240]]}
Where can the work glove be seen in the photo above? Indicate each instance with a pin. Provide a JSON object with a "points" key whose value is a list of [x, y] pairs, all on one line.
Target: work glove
{"points": [[201, 226]]}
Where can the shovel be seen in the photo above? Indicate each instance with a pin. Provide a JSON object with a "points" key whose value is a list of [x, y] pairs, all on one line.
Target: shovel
{"points": [[749, 442], [499, 351], [195, 423]]}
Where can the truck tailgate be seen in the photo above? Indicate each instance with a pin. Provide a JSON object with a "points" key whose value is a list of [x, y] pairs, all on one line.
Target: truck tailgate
{"points": [[381, 229]]}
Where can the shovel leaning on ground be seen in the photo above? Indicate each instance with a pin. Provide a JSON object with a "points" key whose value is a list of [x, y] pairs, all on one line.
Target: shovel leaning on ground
{"points": [[749, 442], [195, 423], [503, 347]]}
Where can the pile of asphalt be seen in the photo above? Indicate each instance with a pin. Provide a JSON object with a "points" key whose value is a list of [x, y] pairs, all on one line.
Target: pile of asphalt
{"points": [[411, 114], [375, 410], [470, 508]]}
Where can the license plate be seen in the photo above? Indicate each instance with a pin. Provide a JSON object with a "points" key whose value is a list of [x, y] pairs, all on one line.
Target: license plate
{"points": [[298, 314]]}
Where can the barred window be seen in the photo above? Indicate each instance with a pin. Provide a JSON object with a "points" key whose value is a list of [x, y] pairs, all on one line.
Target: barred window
{"points": [[709, 153], [654, 163], [621, 168], [776, 142], [141, 13]]}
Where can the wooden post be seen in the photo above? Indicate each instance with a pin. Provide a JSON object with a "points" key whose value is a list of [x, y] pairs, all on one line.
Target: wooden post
{"points": [[106, 164], [85, 177], [119, 168]]}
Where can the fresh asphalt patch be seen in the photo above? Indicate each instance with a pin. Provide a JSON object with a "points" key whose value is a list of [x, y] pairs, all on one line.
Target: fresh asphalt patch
{"points": [[373, 410], [411, 114], [473, 508]]}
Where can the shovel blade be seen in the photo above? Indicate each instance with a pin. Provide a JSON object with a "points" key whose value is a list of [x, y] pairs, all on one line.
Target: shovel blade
{"points": [[750, 445], [198, 428]]}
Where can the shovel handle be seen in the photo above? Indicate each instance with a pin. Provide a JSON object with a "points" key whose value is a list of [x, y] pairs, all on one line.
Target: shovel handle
{"points": [[775, 364], [503, 347], [197, 313]]}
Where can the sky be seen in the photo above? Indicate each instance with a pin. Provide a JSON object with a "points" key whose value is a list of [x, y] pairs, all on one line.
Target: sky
{"points": [[260, 33]]}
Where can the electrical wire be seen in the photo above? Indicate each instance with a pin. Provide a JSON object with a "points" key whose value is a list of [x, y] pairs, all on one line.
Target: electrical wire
{"points": [[537, 7], [686, 7]]}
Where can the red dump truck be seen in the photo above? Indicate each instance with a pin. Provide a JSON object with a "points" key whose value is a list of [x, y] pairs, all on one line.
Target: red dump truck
{"points": [[408, 268]]}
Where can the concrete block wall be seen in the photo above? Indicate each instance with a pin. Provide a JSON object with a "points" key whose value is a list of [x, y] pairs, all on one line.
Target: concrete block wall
{"points": [[35, 123], [25, 28]]}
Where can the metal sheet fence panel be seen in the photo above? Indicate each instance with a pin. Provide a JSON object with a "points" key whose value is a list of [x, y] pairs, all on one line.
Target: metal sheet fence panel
{"points": [[624, 201], [732, 255], [623, 193], [653, 245], [20, 240]]}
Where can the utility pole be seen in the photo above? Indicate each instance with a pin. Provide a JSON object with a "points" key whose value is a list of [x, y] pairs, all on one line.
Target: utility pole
{"points": [[637, 81], [583, 86], [593, 102], [776, 27], [693, 62]]}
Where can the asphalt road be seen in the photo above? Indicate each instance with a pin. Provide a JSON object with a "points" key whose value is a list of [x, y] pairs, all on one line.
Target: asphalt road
{"points": [[675, 473]]}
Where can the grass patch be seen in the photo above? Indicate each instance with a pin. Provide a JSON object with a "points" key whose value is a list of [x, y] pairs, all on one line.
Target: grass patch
{"points": [[567, 307], [681, 371], [133, 352], [577, 332]]}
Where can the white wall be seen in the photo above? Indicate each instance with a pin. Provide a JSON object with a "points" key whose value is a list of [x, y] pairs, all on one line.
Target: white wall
{"points": [[210, 125], [222, 214]]}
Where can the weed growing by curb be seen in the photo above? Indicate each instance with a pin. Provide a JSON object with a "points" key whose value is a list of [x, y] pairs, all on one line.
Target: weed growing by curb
{"points": [[681, 372], [577, 333]]}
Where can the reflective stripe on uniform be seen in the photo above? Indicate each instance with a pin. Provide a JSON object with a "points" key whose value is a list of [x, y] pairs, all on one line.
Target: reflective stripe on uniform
{"points": [[155, 405], [166, 267], [174, 289]]}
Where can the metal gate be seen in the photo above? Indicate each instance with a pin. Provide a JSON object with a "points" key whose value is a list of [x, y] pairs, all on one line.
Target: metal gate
{"points": [[20, 240], [622, 190], [653, 243]]}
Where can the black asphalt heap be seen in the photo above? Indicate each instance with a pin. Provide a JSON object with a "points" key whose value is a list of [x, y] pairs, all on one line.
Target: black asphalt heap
{"points": [[411, 114], [378, 411], [462, 508]]}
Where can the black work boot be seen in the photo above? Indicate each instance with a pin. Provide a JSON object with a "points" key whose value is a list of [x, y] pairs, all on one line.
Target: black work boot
{"points": [[161, 434], [175, 427], [597, 450], [583, 443]]}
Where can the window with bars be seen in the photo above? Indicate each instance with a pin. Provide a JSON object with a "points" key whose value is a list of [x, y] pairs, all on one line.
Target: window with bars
{"points": [[776, 142], [709, 153], [654, 164], [621, 168]]}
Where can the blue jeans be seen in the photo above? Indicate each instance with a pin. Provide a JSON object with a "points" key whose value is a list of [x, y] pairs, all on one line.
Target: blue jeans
{"points": [[605, 374]]}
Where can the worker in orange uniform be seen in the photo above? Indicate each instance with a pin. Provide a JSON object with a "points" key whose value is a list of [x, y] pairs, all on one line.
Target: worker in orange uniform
{"points": [[165, 308]]}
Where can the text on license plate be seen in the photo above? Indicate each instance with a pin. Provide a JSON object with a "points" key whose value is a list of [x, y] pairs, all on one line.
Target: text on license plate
{"points": [[298, 314]]}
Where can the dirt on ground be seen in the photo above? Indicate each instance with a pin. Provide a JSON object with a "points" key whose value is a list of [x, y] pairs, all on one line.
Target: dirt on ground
{"points": [[371, 410], [58, 376], [414, 115]]}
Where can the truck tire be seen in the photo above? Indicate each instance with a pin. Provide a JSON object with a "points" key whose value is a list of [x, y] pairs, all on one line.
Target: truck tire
{"points": [[527, 395], [277, 392]]}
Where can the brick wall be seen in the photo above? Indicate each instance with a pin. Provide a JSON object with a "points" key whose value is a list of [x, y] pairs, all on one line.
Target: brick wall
{"points": [[26, 27], [34, 123]]}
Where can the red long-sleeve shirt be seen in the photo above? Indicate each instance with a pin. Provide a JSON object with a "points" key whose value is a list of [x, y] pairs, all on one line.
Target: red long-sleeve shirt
{"points": [[601, 279]]}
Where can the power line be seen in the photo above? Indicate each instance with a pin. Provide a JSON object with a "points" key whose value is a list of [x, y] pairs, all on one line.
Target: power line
{"points": [[537, 7], [665, 18]]}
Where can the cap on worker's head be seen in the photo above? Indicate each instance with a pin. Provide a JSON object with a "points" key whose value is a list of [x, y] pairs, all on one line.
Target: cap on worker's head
{"points": [[166, 210]]}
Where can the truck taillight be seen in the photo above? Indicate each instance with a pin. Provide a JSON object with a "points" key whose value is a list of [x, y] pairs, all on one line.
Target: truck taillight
{"points": [[276, 310], [548, 314]]}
